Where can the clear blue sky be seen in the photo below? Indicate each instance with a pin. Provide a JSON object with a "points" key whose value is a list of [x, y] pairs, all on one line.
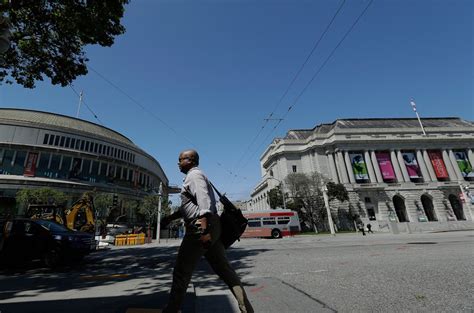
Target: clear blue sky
{"points": [[213, 70]]}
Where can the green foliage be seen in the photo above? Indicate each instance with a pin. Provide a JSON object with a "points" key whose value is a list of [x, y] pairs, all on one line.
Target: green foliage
{"points": [[306, 197], [337, 191], [48, 37], [149, 207], [44, 195], [275, 198], [103, 204]]}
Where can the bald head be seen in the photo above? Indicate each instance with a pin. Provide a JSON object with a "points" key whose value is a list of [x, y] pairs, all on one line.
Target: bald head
{"points": [[187, 160], [192, 154]]}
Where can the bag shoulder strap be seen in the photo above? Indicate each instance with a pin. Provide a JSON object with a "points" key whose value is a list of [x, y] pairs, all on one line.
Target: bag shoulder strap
{"points": [[217, 191]]}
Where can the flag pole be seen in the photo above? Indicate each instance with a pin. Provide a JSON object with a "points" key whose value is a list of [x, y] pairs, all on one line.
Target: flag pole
{"points": [[79, 106], [413, 105]]}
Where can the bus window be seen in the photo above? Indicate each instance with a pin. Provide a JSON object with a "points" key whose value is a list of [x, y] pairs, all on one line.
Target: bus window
{"points": [[254, 222], [269, 221], [283, 220]]}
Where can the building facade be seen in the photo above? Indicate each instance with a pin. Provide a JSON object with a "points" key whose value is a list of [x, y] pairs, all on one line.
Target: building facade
{"points": [[40, 149], [398, 179]]}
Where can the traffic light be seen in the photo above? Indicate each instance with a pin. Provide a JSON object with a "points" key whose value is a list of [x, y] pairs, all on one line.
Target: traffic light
{"points": [[115, 200], [4, 34]]}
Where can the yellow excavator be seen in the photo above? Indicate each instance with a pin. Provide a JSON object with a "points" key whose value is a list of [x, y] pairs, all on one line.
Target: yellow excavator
{"points": [[80, 216]]}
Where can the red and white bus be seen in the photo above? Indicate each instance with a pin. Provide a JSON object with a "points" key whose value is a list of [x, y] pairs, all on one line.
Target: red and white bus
{"points": [[271, 223]]}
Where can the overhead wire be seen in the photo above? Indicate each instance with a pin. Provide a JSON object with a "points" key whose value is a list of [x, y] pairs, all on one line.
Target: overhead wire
{"points": [[315, 46], [312, 79], [116, 87], [87, 106]]}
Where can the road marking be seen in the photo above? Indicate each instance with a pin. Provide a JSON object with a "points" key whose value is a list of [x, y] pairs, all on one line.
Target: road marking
{"points": [[104, 277], [250, 277], [138, 310], [257, 289]]}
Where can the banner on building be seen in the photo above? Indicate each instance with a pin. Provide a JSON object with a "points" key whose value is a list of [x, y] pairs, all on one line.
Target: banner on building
{"points": [[385, 165], [438, 164], [358, 166], [464, 164], [411, 165], [30, 168]]}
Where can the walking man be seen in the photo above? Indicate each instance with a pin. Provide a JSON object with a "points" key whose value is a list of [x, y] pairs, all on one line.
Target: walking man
{"points": [[369, 228], [360, 226], [202, 238]]}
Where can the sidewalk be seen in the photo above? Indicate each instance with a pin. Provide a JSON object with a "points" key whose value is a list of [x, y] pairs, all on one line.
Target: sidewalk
{"points": [[203, 296]]}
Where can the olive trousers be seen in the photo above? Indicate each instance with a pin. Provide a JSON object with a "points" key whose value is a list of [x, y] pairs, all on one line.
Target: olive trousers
{"points": [[189, 254]]}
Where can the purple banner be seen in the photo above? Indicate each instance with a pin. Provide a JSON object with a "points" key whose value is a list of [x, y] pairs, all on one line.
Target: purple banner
{"points": [[385, 164]]}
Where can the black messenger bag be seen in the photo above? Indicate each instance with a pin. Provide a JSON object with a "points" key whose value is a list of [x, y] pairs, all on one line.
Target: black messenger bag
{"points": [[233, 222]]}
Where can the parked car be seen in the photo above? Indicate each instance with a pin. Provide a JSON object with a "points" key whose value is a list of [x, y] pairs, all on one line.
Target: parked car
{"points": [[26, 239]]}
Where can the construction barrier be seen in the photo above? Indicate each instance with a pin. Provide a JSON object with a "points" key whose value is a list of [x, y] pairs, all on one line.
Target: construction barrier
{"points": [[130, 240]]}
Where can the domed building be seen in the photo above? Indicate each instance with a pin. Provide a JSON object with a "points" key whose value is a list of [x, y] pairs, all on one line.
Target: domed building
{"points": [[41, 149]]}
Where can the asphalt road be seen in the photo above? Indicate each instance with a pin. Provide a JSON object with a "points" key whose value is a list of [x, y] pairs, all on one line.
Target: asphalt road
{"points": [[346, 273]]}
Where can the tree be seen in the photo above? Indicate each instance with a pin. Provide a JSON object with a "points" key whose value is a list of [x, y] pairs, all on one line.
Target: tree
{"points": [[131, 206], [43, 195], [103, 204], [337, 191], [149, 207], [47, 38], [307, 197], [275, 198]]}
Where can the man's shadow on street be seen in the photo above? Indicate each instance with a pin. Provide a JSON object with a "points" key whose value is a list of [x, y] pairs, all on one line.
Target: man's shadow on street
{"points": [[152, 264]]}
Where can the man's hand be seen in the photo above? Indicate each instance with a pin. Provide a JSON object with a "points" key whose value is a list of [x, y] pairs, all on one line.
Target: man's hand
{"points": [[206, 236]]}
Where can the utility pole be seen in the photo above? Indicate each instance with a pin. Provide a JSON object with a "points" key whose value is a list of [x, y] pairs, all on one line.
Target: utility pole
{"points": [[328, 210], [158, 218]]}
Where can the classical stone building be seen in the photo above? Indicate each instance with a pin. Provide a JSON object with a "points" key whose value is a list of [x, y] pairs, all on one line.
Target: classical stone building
{"points": [[39, 149], [398, 179]]}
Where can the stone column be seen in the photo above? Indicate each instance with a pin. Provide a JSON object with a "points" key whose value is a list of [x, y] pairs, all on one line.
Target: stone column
{"points": [[422, 165], [426, 157], [401, 163], [457, 171], [396, 167], [449, 166], [350, 171], [332, 167], [370, 169], [342, 168], [470, 156], [378, 173]]}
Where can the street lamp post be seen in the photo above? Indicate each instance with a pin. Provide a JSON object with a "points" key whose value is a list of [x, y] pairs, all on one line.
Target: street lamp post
{"points": [[282, 184], [328, 210], [158, 216]]}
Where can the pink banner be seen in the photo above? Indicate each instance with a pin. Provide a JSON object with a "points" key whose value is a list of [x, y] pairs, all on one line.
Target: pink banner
{"points": [[385, 164]]}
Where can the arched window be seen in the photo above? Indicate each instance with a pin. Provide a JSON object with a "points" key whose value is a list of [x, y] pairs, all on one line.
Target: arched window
{"points": [[428, 207], [457, 207], [400, 209]]}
